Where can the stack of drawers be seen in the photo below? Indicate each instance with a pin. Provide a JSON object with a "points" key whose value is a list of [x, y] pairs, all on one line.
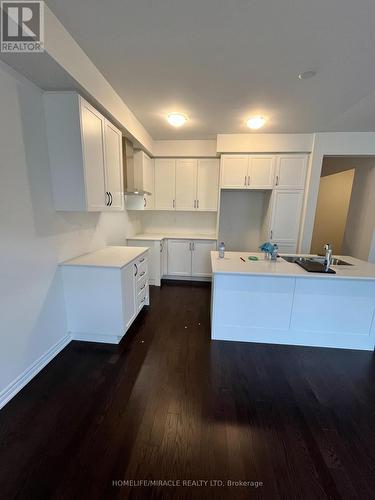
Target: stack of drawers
{"points": [[142, 297]]}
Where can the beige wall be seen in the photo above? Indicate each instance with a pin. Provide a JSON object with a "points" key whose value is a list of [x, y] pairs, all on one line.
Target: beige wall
{"points": [[332, 211], [359, 233]]}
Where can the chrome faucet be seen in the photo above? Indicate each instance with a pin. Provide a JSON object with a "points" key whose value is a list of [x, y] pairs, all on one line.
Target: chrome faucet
{"points": [[328, 256]]}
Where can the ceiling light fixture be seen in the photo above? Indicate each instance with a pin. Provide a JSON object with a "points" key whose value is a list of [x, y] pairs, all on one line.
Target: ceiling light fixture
{"points": [[176, 119], [306, 74], [256, 122]]}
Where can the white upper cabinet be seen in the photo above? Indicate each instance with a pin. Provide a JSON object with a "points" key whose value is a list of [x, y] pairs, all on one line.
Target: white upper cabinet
{"points": [[261, 172], [113, 167], [85, 153], [247, 172], [207, 185], [93, 132], [186, 184], [291, 172], [234, 171], [165, 184], [143, 180], [286, 217]]}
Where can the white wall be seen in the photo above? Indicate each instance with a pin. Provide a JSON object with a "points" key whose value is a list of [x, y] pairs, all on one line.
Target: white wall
{"points": [[178, 222], [329, 144], [241, 219], [359, 232], [185, 149], [332, 211], [33, 237], [265, 143]]}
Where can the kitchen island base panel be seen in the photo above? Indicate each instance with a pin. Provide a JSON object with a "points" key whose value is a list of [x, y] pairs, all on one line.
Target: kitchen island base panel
{"points": [[294, 311]]}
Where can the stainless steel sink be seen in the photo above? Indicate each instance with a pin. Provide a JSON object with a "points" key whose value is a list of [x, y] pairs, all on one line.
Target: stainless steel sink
{"points": [[335, 261]]}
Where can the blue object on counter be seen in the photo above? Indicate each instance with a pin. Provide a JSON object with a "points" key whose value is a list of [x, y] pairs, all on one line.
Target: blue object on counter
{"points": [[267, 247]]}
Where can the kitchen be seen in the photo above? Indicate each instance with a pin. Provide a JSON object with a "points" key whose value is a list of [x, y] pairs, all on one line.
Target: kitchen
{"points": [[126, 339]]}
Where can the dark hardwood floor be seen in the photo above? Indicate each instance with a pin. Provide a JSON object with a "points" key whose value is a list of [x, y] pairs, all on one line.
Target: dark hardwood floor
{"points": [[169, 404]]}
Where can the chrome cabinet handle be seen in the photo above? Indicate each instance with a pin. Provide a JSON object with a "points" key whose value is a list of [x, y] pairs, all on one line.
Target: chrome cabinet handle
{"points": [[110, 198], [107, 198], [142, 273], [245, 180], [277, 180], [174, 203], [136, 269], [248, 180], [145, 202], [271, 234], [197, 203], [142, 260]]}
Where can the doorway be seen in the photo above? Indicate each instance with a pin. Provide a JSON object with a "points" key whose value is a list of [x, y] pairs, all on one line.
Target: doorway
{"points": [[345, 213]]}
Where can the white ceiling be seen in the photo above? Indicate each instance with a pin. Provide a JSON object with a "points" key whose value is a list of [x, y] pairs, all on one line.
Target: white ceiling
{"points": [[220, 61]]}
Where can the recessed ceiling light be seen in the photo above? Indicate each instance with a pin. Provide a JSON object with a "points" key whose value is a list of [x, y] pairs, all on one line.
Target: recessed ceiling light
{"points": [[306, 75], [256, 122], [176, 119]]}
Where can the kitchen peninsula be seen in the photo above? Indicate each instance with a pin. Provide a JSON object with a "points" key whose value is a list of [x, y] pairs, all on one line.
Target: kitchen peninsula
{"points": [[281, 303]]}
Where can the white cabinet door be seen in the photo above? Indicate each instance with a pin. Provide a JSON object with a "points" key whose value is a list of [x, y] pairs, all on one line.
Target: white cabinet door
{"points": [[129, 282], [148, 181], [179, 257], [201, 257], [94, 156], [113, 167], [234, 171], [165, 184], [286, 216], [291, 172], [186, 184], [207, 185], [261, 172]]}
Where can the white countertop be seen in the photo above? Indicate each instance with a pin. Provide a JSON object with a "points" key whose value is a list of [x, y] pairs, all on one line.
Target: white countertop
{"points": [[172, 236], [232, 264], [114, 256]]}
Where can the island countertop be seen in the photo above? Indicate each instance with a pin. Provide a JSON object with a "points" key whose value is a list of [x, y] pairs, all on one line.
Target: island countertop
{"points": [[232, 264], [112, 256]]}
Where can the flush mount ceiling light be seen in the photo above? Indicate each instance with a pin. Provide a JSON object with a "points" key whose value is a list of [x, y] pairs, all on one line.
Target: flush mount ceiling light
{"points": [[256, 122], [306, 74], [176, 119]]}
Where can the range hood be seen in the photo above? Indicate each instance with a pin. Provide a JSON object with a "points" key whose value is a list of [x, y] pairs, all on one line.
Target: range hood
{"points": [[131, 177]]}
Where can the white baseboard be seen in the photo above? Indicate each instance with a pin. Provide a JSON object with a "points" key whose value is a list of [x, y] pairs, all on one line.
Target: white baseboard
{"points": [[93, 337], [14, 387]]}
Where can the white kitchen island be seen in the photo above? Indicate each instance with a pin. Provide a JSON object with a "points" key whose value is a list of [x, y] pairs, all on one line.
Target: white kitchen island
{"points": [[281, 303]]}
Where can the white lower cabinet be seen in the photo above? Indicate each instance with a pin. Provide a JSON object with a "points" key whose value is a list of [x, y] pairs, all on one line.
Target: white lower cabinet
{"points": [[190, 258], [179, 257], [103, 302], [201, 257]]}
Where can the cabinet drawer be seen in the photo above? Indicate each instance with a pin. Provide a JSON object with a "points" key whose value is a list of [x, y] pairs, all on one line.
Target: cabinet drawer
{"points": [[142, 284], [142, 265], [142, 297]]}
